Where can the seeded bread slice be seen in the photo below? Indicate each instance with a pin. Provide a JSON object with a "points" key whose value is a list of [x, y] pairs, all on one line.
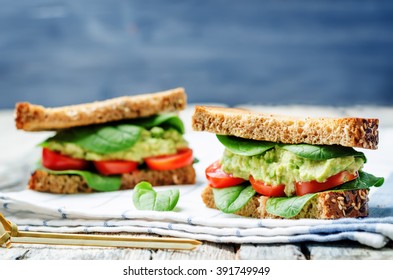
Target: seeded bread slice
{"points": [[350, 132], [69, 184], [325, 205], [32, 117]]}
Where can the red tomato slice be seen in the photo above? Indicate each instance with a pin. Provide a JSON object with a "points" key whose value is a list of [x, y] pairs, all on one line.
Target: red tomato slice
{"points": [[56, 161], [181, 159], [218, 178], [303, 188], [267, 190], [113, 167]]}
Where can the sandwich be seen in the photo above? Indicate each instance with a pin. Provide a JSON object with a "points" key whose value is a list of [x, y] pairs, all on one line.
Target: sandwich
{"points": [[110, 145], [277, 166]]}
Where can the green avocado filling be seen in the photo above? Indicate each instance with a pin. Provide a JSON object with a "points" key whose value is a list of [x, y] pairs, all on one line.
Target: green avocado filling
{"points": [[131, 140], [278, 166], [277, 163], [152, 142]]}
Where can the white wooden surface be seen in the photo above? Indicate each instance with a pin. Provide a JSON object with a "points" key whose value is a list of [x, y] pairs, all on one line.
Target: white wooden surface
{"points": [[206, 251]]}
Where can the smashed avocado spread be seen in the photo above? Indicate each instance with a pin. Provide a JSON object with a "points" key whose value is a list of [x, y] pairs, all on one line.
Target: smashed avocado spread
{"points": [[152, 142], [278, 166]]}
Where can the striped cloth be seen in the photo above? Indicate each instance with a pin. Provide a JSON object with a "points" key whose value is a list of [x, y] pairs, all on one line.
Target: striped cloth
{"points": [[115, 212]]}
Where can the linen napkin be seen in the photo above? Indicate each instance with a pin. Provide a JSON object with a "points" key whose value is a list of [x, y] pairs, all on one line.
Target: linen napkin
{"points": [[115, 212]]}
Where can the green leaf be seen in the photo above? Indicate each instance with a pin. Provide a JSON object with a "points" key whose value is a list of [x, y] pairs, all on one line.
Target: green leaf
{"points": [[95, 181], [364, 181], [163, 120], [245, 147], [287, 207], [232, 199], [145, 198], [99, 138], [322, 152]]}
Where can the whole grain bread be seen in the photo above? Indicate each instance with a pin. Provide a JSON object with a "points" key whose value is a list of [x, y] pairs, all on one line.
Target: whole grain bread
{"points": [[32, 117], [350, 132], [43, 181], [325, 205]]}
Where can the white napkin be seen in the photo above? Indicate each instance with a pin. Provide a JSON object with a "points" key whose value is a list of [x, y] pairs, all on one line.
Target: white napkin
{"points": [[115, 212]]}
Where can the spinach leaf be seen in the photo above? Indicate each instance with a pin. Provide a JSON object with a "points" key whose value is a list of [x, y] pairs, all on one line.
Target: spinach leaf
{"points": [[322, 152], [95, 181], [100, 139], [364, 181], [245, 147], [163, 120], [288, 207], [232, 199], [145, 198]]}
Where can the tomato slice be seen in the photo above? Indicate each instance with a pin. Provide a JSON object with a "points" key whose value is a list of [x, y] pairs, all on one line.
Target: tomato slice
{"points": [[113, 167], [56, 161], [267, 190], [218, 178], [181, 159], [303, 188]]}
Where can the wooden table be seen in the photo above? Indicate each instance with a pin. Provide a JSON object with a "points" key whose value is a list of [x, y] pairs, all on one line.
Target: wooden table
{"points": [[206, 251], [210, 251]]}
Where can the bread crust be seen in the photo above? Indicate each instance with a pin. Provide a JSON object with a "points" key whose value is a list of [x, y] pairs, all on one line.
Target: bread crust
{"points": [[349, 132], [30, 117], [43, 181], [325, 205]]}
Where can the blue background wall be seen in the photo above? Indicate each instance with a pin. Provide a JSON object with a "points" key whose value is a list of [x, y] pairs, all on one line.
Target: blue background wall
{"points": [[267, 52]]}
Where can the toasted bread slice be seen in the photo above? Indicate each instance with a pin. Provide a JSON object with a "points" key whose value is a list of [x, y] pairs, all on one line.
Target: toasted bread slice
{"points": [[350, 132], [69, 184], [325, 205], [32, 117]]}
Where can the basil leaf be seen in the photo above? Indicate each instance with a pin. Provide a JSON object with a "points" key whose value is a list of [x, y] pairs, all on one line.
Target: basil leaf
{"points": [[287, 207], [145, 198], [101, 139], [232, 199], [322, 152], [364, 181], [245, 147], [95, 181], [163, 120]]}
